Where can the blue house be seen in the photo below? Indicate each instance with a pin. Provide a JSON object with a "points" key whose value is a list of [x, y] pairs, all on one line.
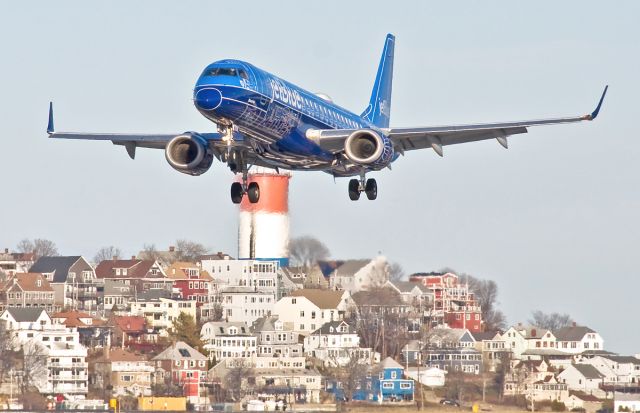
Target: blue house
{"points": [[385, 385]]}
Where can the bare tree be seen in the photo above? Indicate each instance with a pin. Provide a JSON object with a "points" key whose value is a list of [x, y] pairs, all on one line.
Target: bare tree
{"points": [[7, 355], [34, 366], [39, 247], [486, 294], [350, 375], [189, 250], [550, 321], [306, 251], [396, 272], [238, 378], [149, 252], [107, 253]]}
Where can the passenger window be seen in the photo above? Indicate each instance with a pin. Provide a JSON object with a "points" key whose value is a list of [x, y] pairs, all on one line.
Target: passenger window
{"points": [[243, 74]]}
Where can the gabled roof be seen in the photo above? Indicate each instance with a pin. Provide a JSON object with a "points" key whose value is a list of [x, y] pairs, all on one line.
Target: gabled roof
{"points": [[130, 324], [25, 315], [265, 323], [588, 371], [624, 359], [530, 332], [324, 299], [572, 333], [332, 327], [485, 335], [349, 268], [390, 363], [135, 268], [180, 351], [75, 319], [59, 266], [221, 328], [29, 282], [385, 296], [584, 396], [408, 286]]}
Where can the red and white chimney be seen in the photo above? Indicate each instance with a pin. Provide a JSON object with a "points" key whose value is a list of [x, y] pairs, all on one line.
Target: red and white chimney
{"points": [[263, 231]]}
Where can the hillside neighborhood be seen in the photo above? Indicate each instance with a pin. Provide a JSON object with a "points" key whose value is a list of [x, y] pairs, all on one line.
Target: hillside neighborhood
{"points": [[216, 330]]}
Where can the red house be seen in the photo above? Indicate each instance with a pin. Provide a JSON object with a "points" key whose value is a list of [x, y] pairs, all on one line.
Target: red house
{"points": [[193, 283], [182, 365], [453, 304]]}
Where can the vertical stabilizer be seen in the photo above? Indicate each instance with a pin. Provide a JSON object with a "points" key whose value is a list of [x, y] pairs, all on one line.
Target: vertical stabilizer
{"points": [[379, 109]]}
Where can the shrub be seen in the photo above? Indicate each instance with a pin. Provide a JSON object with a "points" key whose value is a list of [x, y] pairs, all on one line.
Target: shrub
{"points": [[558, 406]]}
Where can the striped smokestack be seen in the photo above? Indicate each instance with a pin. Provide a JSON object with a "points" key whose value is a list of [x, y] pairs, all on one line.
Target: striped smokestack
{"points": [[263, 232]]}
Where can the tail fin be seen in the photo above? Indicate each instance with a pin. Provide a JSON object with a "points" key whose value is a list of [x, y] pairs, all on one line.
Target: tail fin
{"points": [[379, 109]]}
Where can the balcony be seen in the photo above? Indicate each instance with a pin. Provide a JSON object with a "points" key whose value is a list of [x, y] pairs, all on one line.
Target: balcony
{"points": [[69, 365]]}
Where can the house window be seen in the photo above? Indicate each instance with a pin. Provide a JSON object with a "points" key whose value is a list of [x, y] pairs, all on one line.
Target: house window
{"points": [[394, 374], [405, 385], [387, 385], [126, 377], [293, 301]]}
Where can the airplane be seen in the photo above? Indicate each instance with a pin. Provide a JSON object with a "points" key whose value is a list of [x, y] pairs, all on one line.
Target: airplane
{"points": [[263, 120]]}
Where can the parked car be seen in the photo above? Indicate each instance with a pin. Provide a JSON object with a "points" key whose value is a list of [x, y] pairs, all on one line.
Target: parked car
{"points": [[449, 402]]}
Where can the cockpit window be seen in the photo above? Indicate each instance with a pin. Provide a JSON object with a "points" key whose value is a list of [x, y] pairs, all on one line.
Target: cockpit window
{"points": [[226, 71], [222, 71]]}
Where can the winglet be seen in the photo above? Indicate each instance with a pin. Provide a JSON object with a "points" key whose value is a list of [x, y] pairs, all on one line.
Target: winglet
{"points": [[50, 129], [594, 114]]}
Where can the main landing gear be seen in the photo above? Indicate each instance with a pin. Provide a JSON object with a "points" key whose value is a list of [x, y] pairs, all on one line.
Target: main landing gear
{"points": [[368, 186], [238, 190]]}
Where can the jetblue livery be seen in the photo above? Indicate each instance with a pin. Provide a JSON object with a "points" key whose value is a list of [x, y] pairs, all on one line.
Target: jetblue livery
{"points": [[266, 121]]}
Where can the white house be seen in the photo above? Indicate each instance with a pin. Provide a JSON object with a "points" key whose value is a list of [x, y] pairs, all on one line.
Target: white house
{"points": [[522, 339], [257, 274], [616, 369], [246, 304], [161, 311], [577, 339], [428, 376], [358, 275], [336, 343], [275, 338], [308, 309], [228, 340], [626, 401], [582, 377]]}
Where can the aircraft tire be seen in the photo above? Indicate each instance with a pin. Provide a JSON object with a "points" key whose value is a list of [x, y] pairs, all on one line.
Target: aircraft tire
{"points": [[354, 190], [253, 192], [236, 192], [371, 189]]}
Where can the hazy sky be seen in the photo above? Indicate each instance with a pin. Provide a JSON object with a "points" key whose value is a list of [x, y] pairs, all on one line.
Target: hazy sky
{"points": [[554, 220]]}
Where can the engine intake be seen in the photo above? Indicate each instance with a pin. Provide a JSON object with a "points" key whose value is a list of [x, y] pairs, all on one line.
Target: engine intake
{"points": [[368, 147], [189, 153]]}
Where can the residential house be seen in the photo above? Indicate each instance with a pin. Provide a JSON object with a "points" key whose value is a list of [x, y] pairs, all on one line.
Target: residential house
{"points": [[535, 379], [93, 332], [578, 401], [382, 303], [495, 350], [453, 303], [126, 373], [619, 371], [584, 378], [359, 275], [12, 263], [246, 304], [160, 310], [452, 350], [65, 368], [337, 343], [116, 295], [261, 275], [576, 339], [132, 332], [308, 309], [192, 282], [228, 340], [142, 275], [276, 338], [385, 383], [27, 290], [73, 281], [181, 365], [530, 342]]}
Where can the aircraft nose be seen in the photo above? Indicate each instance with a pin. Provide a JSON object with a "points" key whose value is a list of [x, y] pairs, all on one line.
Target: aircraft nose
{"points": [[208, 98]]}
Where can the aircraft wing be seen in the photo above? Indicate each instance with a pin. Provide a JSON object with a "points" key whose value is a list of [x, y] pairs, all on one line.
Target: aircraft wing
{"points": [[406, 139], [129, 140]]}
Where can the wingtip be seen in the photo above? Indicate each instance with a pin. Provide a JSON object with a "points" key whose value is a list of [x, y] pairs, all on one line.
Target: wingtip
{"points": [[594, 114], [50, 128]]}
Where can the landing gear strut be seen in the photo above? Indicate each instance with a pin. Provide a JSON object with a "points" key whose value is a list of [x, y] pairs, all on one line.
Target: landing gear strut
{"points": [[368, 186], [238, 190]]}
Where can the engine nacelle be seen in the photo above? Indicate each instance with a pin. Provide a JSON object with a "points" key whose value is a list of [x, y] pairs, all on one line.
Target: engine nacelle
{"points": [[368, 147], [189, 153]]}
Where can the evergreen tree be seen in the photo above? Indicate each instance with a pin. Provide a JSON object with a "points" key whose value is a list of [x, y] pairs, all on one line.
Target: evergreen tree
{"points": [[186, 329]]}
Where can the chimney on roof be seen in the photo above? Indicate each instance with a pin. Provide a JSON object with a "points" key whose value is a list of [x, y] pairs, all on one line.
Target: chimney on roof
{"points": [[574, 324], [172, 248], [6, 250], [115, 257], [533, 332], [133, 257]]}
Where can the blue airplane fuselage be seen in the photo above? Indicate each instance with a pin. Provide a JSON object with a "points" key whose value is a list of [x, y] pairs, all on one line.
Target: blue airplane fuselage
{"points": [[272, 114]]}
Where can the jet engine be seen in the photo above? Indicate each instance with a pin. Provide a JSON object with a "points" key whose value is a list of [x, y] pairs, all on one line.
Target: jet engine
{"points": [[368, 147], [189, 153]]}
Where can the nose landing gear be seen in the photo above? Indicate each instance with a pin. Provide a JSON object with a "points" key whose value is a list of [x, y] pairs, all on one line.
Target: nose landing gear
{"points": [[368, 186]]}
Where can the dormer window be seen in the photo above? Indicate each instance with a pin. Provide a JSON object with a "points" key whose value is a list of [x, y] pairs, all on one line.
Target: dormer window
{"points": [[38, 283]]}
